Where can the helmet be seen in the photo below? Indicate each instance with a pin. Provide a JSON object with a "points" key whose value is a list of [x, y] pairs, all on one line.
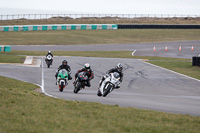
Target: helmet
{"points": [[119, 67], [64, 62], [87, 66], [49, 52]]}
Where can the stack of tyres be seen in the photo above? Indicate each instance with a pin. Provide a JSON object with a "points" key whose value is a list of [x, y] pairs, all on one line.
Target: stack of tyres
{"points": [[196, 61], [7, 48]]}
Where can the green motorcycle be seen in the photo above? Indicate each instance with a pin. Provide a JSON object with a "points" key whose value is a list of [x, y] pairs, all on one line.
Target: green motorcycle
{"points": [[62, 79]]}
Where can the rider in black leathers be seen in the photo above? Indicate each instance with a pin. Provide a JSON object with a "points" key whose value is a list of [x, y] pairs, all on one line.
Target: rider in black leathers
{"points": [[117, 69], [49, 53], [64, 66], [89, 73]]}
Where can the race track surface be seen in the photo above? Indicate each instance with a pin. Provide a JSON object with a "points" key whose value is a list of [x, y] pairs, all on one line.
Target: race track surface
{"points": [[144, 86], [142, 49]]}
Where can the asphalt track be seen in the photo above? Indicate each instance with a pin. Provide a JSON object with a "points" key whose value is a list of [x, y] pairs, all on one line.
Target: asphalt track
{"points": [[144, 86], [142, 49]]}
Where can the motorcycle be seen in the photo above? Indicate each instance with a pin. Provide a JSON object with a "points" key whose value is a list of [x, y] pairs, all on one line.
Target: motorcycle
{"points": [[49, 60], [111, 81], [80, 82], [62, 79]]}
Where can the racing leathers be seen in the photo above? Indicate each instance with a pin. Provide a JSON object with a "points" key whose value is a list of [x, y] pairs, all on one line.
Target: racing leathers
{"points": [[67, 68], [112, 71], [89, 73], [51, 56]]}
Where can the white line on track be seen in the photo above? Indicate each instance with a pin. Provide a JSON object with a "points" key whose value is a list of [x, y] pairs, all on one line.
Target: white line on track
{"points": [[42, 86], [171, 71]]}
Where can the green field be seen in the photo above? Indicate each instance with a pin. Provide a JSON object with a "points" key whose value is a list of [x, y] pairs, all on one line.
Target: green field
{"points": [[24, 110], [74, 37]]}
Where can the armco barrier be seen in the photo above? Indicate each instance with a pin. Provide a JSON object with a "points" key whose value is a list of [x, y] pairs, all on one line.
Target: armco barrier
{"points": [[59, 27], [156, 26]]}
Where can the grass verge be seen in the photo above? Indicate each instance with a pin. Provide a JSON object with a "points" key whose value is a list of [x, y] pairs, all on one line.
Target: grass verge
{"points": [[6, 58], [74, 37], [23, 110]]}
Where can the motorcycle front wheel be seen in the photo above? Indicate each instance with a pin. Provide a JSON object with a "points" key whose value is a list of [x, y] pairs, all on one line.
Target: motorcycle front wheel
{"points": [[107, 90], [77, 87], [61, 87]]}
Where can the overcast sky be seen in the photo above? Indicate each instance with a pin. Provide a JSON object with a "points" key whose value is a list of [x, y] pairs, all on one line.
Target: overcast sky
{"points": [[101, 6]]}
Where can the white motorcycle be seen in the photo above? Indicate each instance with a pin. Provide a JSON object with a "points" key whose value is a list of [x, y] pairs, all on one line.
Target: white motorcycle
{"points": [[111, 81], [49, 60]]}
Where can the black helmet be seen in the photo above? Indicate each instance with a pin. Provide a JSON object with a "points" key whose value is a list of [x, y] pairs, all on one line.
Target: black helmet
{"points": [[119, 67], [64, 62]]}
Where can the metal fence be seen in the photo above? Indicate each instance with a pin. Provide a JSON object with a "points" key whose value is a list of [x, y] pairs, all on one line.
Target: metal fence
{"points": [[74, 16]]}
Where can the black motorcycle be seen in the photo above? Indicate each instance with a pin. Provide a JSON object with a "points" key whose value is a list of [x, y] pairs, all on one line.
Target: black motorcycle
{"points": [[49, 60], [80, 82]]}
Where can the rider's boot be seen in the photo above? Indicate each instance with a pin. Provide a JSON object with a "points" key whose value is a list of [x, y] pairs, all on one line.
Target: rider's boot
{"points": [[117, 87]]}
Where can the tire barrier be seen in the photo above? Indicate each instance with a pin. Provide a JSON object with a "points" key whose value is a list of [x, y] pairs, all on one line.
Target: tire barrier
{"points": [[94, 27], [157, 26], [196, 61], [59, 27], [5, 48]]}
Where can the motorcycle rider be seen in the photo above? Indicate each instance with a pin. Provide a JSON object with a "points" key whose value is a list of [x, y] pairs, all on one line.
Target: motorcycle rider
{"points": [[89, 73], [66, 67], [49, 53], [117, 69]]}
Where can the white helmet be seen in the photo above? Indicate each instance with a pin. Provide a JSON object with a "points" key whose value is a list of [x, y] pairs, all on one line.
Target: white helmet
{"points": [[49, 52], [87, 66]]}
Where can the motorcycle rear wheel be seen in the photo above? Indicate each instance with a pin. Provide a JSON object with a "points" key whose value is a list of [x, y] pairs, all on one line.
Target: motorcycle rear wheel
{"points": [[99, 93]]}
